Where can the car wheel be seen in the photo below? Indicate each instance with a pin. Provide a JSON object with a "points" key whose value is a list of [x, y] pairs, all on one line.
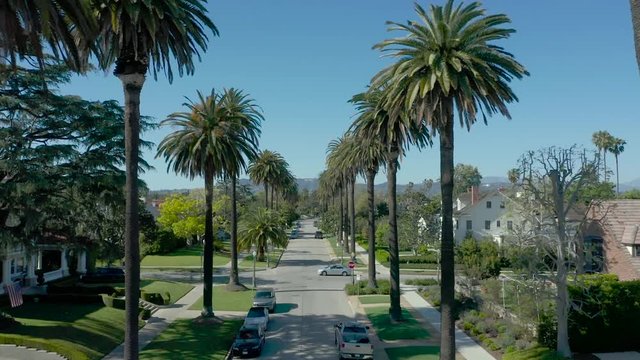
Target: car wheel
{"points": [[324, 273], [344, 273]]}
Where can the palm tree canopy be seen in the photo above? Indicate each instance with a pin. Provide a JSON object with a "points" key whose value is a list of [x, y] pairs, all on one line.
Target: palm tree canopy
{"points": [[219, 131], [66, 26], [261, 227], [267, 167], [616, 147], [158, 32], [448, 62]]}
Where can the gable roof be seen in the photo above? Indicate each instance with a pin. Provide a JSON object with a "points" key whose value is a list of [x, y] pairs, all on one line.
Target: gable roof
{"points": [[482, 196], [621, 218]]}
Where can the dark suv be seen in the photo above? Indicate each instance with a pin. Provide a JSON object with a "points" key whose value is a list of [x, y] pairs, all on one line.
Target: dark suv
{"points": [[104, 275], [318, 235]]}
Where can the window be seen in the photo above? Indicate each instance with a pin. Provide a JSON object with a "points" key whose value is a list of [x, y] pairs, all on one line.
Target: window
{"points": [[497, 223], [487, 225], [469, 225], [502, 205], [457, 224], [488, 204], [510, 225]]}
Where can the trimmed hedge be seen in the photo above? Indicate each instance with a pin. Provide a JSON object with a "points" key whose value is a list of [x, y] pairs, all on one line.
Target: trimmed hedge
{"points": [[119, 303], [615, 328], [429, 258], [156, 298], [382, 256], [422, 282], [384, 288]]}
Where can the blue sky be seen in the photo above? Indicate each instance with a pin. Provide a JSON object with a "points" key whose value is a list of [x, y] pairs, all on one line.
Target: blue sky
{"points": [[302, 61]]}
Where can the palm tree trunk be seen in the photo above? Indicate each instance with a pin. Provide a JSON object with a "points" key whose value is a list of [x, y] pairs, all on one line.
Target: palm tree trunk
{"points": [[617, 177], [272, 193], [352, 215], [266, 196], [447, 334], [233, 275], [604, 159], [635, 20], [132, 84], [394, 261], [345, 218], [345, 246], [371, 176], [207, 263]]}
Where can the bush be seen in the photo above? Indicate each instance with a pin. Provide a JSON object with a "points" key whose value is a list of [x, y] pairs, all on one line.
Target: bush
{"points": [[144, 314], [382, 255], [429, 258], [481, 259], [7, 321], [422, 282], [156, 298], [384, 288], [165, 242]]}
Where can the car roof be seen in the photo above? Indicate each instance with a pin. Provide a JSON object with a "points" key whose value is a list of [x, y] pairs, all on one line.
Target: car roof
{"points": [[264, 289], [353, 324]]}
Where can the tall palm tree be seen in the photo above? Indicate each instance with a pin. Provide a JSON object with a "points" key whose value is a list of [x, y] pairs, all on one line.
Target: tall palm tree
{"points": [[396, 133], [368, 155], [66, 26], [447, 63], [337, 153], [635, 21], [267, 169], [260, 228], [602, 140], [212, 140], [616, 148], [134, 35]]}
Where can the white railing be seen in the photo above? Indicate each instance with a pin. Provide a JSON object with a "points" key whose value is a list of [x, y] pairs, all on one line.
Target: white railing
{"points": [[53, 275]]}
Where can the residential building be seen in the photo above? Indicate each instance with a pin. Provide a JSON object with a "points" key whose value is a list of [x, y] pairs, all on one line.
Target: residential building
{"points": [[612, 238]]}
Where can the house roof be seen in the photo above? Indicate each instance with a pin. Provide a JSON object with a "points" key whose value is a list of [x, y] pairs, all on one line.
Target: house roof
{"points": [[482, 196], [621, 218]]}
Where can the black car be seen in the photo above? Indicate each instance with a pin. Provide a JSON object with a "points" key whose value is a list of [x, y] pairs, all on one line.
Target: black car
{"points": [[249, 341], [318, 235], [104, 275]]}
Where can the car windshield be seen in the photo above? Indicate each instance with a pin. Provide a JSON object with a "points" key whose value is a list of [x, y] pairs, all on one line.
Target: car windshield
{"points": [[355, 338], [263, 294], [248, 334], [254, 313], [354, 329]]}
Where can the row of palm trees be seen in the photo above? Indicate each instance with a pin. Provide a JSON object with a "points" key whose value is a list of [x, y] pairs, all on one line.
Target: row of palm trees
{"points": [[607, 143], [131, 36], [447, 64]]}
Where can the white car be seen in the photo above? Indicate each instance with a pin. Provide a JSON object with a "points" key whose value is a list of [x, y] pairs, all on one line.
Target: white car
{"points": [[336, 269], [257, 316], [352, 340]]}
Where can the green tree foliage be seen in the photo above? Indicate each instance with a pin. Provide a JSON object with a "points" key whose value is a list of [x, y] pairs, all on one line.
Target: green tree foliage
{"points": [[464, 177], [481, 258], [631, 194], [261, 228], [184, 216]]}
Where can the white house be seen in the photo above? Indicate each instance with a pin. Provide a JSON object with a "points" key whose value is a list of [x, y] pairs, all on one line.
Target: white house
{"points": [[20, 264], [482, 215]]}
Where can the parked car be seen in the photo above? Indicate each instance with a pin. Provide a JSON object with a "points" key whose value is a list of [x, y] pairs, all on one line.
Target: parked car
{"points": [[104, 275], [352, 340], [336, 269], [318, 235], [257, 316], [265, 297], [249, 341]]}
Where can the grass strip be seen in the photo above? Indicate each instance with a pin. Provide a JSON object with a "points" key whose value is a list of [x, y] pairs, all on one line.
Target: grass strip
{"points": [[413, 353], [410, 328], [186, 339]]}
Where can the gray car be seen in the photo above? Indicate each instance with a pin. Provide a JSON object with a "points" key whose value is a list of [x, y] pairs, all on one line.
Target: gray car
{"points": [[257, 316], [266, 298], [336, 269]]}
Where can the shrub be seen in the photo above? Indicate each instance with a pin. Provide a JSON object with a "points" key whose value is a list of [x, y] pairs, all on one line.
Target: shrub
{"points": [[429, 258], [422, 282], [547, 330], [382, 255], [7, 321], [164, 242], [154, 298], [144, 314], [107, 300], [481, 259], [384, 288]]}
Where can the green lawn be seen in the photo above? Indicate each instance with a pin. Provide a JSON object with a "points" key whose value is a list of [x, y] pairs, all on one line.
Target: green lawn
{"points": [[185, 339], [413, 353], [176, 289], [374, 299], [76, 331], [535, 353], [274, 258], [386, 330], [183, 257], [224, 300]]}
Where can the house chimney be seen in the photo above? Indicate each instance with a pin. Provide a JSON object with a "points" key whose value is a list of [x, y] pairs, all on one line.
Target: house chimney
{"points": [[475, 195]]}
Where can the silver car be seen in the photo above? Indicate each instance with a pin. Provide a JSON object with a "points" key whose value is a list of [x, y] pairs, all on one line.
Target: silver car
{"points": [[265, 297], [336, 269], [257, 316]]}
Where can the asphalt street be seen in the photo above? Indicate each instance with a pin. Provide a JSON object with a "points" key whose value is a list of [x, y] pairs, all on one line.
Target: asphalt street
{"points": [[308, 304]]}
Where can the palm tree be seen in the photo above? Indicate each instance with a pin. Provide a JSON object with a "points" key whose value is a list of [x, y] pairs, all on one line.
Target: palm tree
{"points": [[635, 21], [396, 133], [213, 139], [134, 35], [264, 169], [66, 26], [337, 153], [448, 63], [260, 228], [616, 148], [602, 140], [368, 155]]}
